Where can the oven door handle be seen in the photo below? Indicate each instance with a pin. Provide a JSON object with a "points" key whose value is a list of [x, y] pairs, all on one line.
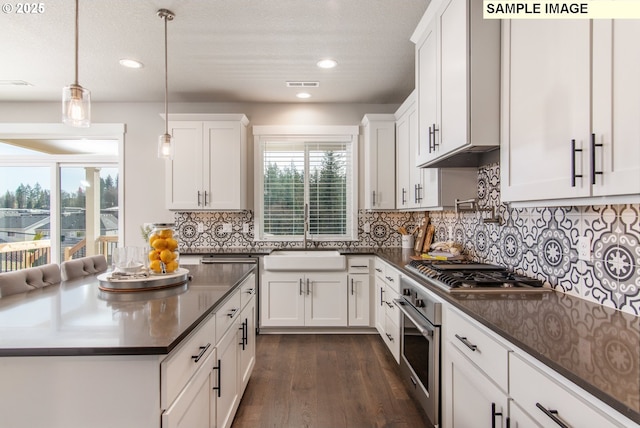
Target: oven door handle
{"points": [[424, 328]]}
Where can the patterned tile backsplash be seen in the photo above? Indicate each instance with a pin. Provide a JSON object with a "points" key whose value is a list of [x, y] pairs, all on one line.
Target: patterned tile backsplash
{"points": [[539, 242]]}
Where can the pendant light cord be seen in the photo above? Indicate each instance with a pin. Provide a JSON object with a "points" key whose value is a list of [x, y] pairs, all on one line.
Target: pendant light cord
{"points": [[166, 80], [76, 82]]}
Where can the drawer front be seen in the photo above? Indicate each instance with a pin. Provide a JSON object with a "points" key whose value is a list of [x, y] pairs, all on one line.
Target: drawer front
{"points": [[392, 337], [379, 268], [183, 362], [248, 290], [391, 310], [392, 278], [358, 264], [488, 354], [545, 399], [227, 315]]}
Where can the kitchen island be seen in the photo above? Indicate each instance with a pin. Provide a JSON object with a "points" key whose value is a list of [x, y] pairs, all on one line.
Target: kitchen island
{"points": [[72, 355]]}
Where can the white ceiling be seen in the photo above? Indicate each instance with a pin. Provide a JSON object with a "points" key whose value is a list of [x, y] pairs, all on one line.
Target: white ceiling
{"points": [[219, 50]]}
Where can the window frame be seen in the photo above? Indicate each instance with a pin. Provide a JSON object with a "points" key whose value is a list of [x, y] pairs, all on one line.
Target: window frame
{"points": [[314, 134]]}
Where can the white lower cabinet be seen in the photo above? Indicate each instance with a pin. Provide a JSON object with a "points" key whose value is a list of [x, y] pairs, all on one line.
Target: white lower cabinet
{"points": [[228, 393], [473, 399], [195, 406], [316, 299], [248, 340], [475, 375], [387, 287], [551, 404], [204, 380], [359, 289], [488, 382]]}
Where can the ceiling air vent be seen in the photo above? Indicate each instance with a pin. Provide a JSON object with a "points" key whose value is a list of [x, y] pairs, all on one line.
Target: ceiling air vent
{"points": [[14, 83], [303, 84]]}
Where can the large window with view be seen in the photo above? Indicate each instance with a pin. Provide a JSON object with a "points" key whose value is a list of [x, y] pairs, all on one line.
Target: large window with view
{"points": [[59, 199], [306, 182]]}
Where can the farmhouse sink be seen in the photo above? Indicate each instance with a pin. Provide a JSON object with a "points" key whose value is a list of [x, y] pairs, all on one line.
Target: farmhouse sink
{"points": [[304, 260]]}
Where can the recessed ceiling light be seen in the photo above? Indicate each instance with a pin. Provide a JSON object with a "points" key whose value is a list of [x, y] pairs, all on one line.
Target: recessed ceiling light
{"points": [[303, 95], [131, 63], [327, 63]]}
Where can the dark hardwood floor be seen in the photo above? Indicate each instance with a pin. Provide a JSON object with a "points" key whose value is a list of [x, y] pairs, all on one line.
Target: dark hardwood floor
{"points": [[326, 381]]}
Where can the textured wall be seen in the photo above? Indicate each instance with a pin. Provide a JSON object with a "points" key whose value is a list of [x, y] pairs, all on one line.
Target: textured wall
{"points": [[539, 242], [543, 243]]}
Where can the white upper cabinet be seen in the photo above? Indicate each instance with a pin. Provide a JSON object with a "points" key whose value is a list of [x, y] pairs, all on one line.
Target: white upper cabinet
{"points": [[570, 108], [458, 82], [425, 188], [379, 161], [208, 171]]}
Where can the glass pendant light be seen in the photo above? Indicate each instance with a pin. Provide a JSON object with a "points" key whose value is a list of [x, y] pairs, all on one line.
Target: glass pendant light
{"points": [[76, 100], [165, 142]]}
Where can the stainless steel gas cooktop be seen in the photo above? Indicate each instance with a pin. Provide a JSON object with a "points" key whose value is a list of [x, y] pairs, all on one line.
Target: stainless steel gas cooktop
{"points": [[466, 276]]}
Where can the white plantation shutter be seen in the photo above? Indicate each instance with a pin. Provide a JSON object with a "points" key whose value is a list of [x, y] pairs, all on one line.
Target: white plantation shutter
{"points": [[314, 171]]}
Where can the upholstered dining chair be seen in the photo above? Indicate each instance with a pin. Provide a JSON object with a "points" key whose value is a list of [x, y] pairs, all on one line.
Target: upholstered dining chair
{"points": [[24, 280], [84, 266]]}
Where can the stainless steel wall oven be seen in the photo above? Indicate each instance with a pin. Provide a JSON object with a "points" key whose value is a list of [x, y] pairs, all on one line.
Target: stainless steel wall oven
{"points": [[420, 346]]}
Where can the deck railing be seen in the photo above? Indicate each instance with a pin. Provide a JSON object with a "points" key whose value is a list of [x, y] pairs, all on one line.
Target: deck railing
{"points": [[26, 254]]}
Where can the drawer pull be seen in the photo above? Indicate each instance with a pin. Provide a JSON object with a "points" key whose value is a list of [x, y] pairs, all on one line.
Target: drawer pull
{"points": [[467, 343], [250, 291], [203, 349], [359, 266], [390, 337], [553, 415], [378, 270], [352, 290], [232, 312]]}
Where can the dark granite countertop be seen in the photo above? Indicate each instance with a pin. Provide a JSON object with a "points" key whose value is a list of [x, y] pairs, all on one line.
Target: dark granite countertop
{"points": [[76, 318], [594, 346]]}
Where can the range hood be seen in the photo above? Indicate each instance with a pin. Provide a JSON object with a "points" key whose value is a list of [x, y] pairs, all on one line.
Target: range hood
{"points": [[466, 156]]}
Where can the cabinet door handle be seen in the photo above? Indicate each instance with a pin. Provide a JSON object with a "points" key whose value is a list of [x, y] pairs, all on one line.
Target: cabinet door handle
{"points": [[205, 198], [307, 286], [219, 387], [573, 163], [198, 198], [553, 415], [352, 292], [419, 198], [593, 159], [433, 131], [404, 198], [467, 343], [381, 296], [430, 136], [245, 333], [301, 292], [203, 349], [494, 414], [374, 199]]}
